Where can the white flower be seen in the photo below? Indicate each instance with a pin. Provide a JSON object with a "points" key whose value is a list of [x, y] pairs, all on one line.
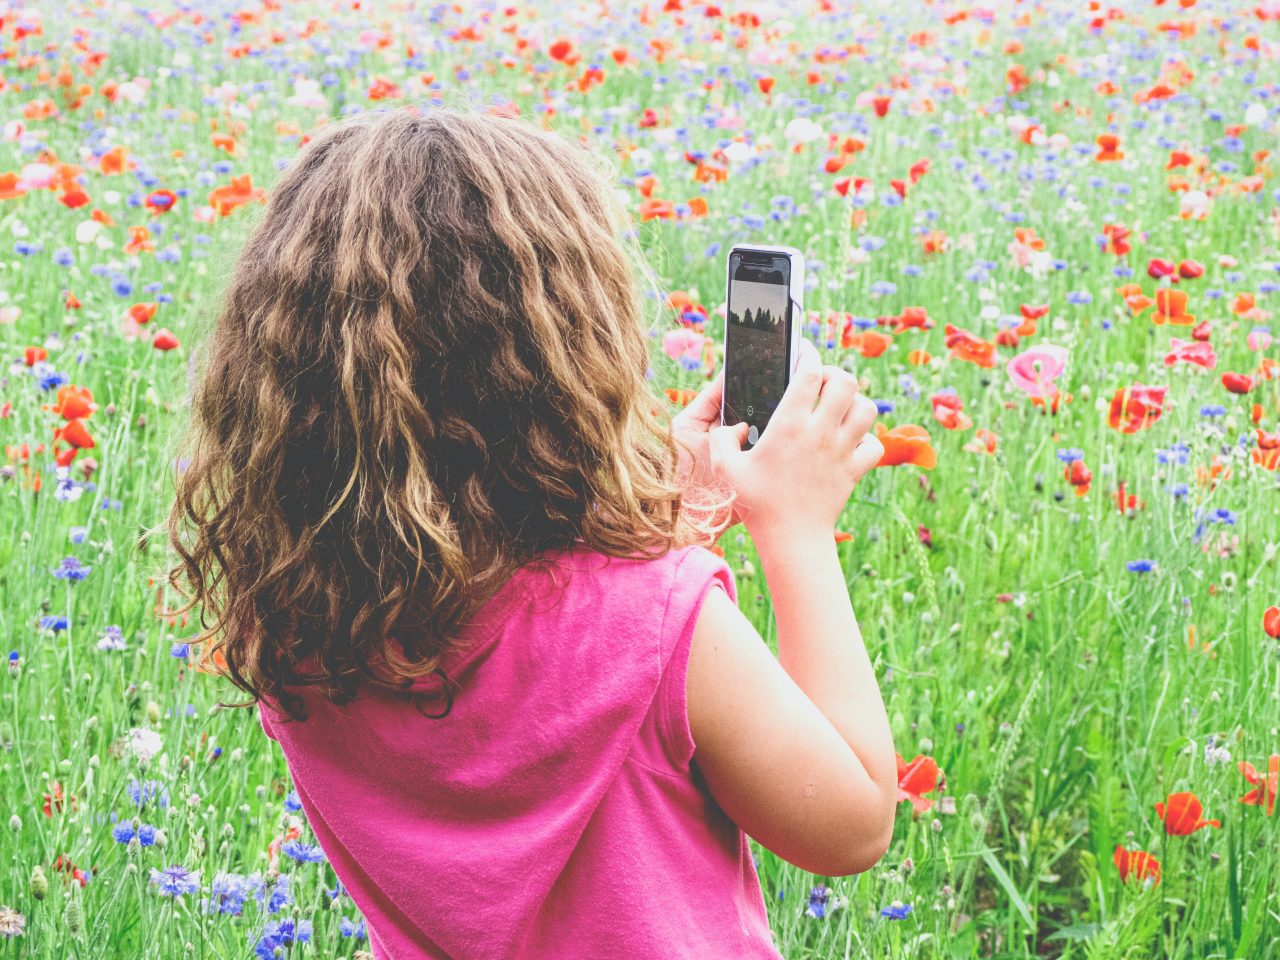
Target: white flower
{"points": [[143, 744], [802, 130]]}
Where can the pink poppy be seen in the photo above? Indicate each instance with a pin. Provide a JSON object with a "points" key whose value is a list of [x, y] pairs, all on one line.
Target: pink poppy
{"points": [[1033, 371], [682, 343], [1259, 338], [1199, 352]]}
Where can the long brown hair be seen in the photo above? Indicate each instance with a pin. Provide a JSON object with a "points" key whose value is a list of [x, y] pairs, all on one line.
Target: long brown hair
{"points": [[429, 369]]}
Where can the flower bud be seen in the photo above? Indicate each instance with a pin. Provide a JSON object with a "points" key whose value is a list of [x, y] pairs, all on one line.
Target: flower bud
{"points": [[39, 883]]}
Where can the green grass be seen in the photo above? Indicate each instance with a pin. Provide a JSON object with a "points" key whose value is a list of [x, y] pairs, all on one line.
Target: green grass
{"points": [[1058, 718]]}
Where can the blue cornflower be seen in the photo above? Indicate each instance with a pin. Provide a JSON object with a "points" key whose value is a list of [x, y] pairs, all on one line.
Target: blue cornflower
{"points": [[1179, 490], [63, 257], [77, 535], [180, 651], [818, 898], [302, 852], [896, 910], [884, 406], [1222, 515], [53, 623], [124, 832], [1178, 453], [51, 379], [353, 928], [1213, 410], [1070, 455], [175, 881], [279, 934], [71, 569], [275, 897], [121, 287], [1079, 297], [1140, 566], [229, 892], [337, 891], [291, 801], [112, 639], [144, 792], [883, 288]]}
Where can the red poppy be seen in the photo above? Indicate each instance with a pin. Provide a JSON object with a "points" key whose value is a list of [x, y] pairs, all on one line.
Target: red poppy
{"points": [[164, 340], [565, 51], [1182, 815], [161, 201], [74, 198], [1136, 408], [1202, 331], [1265, 789], [948, 410], [1079, 476], [1200, 353], [384, 89], [918, 777], [139, 241], [1137, 864], [1117, 239], [54, 801], [1190, 270], [1157, 268], [75, 434], [1237, 382], [916, 318], [881, 105], [33, 355], [1271, 622], [766, 85]]}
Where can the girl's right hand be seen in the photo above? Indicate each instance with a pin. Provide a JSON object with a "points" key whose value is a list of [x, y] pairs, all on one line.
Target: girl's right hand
{"points": [[798, 477]]}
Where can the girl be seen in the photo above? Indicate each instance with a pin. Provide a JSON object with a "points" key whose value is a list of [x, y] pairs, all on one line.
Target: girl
{"points": [[442, 536]]}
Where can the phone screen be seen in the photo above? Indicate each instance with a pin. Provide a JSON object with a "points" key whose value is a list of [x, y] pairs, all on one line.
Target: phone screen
{"points": [[757, 338]]}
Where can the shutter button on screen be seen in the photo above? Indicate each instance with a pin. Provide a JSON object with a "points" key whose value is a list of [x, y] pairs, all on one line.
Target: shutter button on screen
{"points": [[752, 434]]}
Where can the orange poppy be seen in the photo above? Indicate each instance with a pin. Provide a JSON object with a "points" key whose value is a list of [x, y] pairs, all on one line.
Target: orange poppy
{"points": [[1182, 815], [240, 191], [74, 403], [1265, 789], [907, 444], [115, 161], [919, 358], [75, 434], [657, 210], [1108, 148], [1171, 307], [9, 189], [970, 347], [869, 344]]}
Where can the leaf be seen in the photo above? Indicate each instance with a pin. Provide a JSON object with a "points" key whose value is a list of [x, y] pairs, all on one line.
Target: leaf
{"points": [[1005, 881], [1077, 931]]}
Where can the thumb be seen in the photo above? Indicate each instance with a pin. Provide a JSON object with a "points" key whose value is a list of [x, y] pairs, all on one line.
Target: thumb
{"points": [[806, 382], [726, 447], [807, 358]]}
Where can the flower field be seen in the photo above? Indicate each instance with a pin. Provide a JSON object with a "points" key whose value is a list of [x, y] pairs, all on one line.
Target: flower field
{"points": [[1045, 235]]}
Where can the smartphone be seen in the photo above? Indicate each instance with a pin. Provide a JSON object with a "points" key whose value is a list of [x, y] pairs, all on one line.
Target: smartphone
{"points": [[764, 311]]}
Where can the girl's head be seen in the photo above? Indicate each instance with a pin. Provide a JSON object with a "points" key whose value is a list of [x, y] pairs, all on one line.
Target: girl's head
{"points": [[429, 368]]}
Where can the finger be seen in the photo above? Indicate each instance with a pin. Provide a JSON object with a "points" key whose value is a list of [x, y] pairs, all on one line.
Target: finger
{"points": [[860, 418], [838, 394], [705, 407], [806, 382], [725, 447], [867, 454]]}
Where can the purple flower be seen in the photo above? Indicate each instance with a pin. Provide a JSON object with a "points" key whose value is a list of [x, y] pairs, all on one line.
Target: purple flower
{"points": [[1140, 566], [896, 910], [302, 852], [175, 881], [71, 569], [818, 898]]}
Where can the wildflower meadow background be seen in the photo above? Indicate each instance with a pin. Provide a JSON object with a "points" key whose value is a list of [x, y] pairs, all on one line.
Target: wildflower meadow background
{"points": [[1045, 234]]}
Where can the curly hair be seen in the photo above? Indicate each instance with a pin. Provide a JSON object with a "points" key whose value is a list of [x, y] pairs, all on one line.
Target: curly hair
{"points": [[429, 368]]}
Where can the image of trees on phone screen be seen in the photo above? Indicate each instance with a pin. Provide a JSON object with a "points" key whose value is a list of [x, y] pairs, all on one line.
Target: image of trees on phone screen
{"points": [[756, 341]]}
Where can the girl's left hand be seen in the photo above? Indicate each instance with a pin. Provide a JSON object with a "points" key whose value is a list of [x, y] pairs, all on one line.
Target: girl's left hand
{"points": [[693, 425]]}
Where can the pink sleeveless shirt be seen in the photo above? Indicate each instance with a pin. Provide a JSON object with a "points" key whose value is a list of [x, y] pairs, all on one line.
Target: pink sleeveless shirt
{"points": [[554, 811]]}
